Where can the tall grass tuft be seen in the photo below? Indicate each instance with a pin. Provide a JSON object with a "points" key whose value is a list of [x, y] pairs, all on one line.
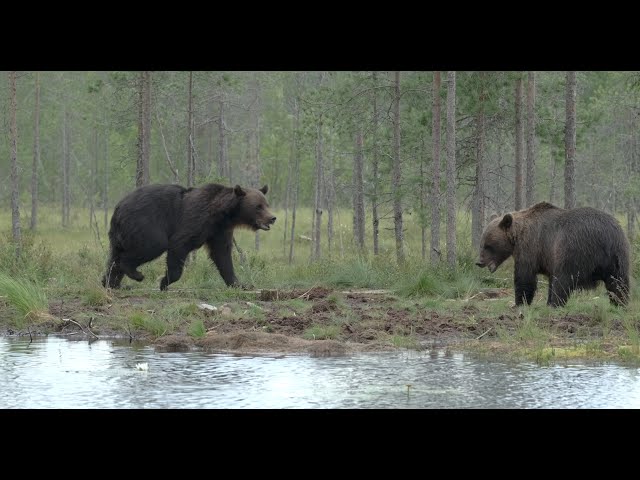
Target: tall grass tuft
{"points": [[26, 297]]}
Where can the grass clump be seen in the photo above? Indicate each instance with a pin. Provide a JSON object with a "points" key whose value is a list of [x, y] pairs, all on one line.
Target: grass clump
{"points": [[26, 297], [322, 332], [197, 328], [96, 297], [149, 323]]}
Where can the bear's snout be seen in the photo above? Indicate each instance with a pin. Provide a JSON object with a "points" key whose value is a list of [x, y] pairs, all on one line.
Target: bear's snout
{"points": [[272, 220]]}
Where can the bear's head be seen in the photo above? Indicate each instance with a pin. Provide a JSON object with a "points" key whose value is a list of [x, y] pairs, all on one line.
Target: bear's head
{"points": [[496, 244], [253, 208]]}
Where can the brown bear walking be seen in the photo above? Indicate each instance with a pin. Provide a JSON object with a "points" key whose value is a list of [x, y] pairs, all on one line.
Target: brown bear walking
{"points": [[154, 219], [573, 248]]}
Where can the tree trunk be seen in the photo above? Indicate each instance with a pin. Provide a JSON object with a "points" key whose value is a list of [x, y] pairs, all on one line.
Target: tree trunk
{"points": [[105, 190], [477, 215], [190, 159], [318, 195], [288, 196], [65, 169], [423, 204], [176, 179], [531, 139], [36, 158], [552, 188], [397, 173], [94, 174], [330, 204], [451, 169], [499, 200], [15, 181], [519, 186], [254, 147], [296, 177], [374, 198], [358, 193], [144, 129], [631, 219], [570, 143], [435, 190], [223, 166]]}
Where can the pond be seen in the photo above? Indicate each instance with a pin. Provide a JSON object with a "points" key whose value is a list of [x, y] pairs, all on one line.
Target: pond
{"points": [[54, 372]]}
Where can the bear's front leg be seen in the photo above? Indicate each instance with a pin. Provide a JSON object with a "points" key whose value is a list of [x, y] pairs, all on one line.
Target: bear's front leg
{"points": [[525, 285], [219, 246]]}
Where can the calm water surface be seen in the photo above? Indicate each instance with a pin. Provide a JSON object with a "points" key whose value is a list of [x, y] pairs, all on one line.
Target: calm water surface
{"points": [[58, 373]]}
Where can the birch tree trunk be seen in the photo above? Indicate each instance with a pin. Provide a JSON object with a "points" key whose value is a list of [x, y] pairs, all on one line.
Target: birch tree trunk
{"points": [[531, 139], [254, 146], [318, 194], [374, 198], [190, 159], [93, 176], [397, 173], [451, 169], [144, 129], [105, 190], [570, 143], [223, 166], [358, 193], [36, 157], [65, 169], [296, 177], [15, 181], [519, 185], [435, 189], [477, 216]]}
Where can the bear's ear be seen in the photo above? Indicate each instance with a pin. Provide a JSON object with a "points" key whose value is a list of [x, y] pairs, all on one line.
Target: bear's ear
{"points": [[239, 191], [264, 189], [506, 222]]}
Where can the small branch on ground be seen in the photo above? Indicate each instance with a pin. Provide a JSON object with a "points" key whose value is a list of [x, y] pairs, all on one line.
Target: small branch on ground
{"points": [[79, 326], [478, 338]]}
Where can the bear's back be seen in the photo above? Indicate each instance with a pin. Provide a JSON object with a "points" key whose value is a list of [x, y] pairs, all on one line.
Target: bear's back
{"points": [[150, 206]]}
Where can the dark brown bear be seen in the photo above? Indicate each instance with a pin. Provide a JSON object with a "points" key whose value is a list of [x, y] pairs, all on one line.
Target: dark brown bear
{"points": [[154, 219], [573, 248]]}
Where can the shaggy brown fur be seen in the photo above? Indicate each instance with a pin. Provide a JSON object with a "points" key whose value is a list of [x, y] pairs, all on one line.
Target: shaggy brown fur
{"points": [[155, 219], [573, 248]]}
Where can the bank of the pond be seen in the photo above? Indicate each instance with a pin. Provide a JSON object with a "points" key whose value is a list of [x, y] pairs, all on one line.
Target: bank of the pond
{"points": [[321, 321]]}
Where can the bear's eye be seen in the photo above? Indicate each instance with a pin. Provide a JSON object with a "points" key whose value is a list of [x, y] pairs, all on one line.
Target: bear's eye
{"points": [[488, 248], [259, 207]]}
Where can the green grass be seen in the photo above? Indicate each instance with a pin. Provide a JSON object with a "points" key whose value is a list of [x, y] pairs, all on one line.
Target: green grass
{"points": [[155, 325], [197, 328], [322, 332], [25, 296]]}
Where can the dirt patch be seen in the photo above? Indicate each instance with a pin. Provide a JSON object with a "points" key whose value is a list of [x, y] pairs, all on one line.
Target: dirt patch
{"points": [[309, 294]]}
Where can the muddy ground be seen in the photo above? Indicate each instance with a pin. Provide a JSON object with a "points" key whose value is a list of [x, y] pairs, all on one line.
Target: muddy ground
{"points": [[317, 321]]}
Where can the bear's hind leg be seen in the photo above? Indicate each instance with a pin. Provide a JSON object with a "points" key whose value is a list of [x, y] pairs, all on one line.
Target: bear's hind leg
{"points": [[618, 290], [175, 265], [129, 267], [113, 276], [560, 289]]}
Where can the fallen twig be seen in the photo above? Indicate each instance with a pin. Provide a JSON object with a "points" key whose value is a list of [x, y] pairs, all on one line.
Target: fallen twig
{"points": [[79, 326], [484, 333]]}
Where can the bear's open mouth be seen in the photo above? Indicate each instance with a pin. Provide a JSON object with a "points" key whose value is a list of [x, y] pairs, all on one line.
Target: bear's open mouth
{"points": [[264, 226]]}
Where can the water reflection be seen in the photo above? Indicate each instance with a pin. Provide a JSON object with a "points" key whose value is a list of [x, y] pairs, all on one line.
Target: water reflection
{"points": [[58, 373]]}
